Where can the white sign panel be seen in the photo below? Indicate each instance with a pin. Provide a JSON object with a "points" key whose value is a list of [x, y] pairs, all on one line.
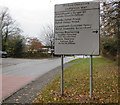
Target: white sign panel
{"points": [[77, 28]]}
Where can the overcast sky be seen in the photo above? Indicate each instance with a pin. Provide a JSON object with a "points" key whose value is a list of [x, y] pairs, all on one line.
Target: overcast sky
{"points": [[33, 15]]}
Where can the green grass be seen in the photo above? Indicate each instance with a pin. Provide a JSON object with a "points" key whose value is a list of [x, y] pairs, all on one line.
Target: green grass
{"points": [[76, 84], [75, 61]]}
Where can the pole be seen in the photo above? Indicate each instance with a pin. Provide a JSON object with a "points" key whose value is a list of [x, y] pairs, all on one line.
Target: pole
{"points": [[91, 77], [51, 48], [62, 76]]}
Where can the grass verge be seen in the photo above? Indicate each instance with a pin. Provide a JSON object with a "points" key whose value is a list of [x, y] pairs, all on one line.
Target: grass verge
{"points": [[76, 84], [75, 60]]}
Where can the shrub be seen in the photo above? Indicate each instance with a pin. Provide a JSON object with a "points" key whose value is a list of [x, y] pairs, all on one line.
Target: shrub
{"points": [[35, 55], [109, 47]]}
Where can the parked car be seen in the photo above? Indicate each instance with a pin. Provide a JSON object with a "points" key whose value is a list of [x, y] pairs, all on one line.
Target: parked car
{"points": [[50, 51], [3, 54]]}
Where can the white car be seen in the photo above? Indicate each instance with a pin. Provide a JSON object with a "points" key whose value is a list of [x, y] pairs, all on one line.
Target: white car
{"points": [[51, 51], [3, 54]]}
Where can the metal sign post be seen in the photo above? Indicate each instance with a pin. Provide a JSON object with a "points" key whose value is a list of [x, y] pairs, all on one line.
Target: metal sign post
{"points": [[62, 76], [77, 31], [91, 77]]}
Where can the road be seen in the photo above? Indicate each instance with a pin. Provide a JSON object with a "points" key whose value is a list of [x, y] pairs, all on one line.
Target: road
{"points": [[16, 73]]}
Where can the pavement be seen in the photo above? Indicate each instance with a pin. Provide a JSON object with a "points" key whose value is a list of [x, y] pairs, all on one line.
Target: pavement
{"points": [[31, 91], [16, 73]]}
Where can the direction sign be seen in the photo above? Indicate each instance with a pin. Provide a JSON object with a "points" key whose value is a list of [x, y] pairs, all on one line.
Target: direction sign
{"points": [[77, 28]]}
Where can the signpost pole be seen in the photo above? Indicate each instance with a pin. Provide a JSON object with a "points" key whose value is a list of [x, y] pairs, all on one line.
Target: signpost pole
{"points": [[62, 76], [91, 77]]}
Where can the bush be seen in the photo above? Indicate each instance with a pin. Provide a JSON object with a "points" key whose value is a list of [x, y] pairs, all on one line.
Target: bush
{"points": [[35, 55], [109, 47], [14, 46]]}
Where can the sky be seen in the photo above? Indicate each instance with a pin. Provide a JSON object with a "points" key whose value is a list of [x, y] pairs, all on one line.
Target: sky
{"points": [[33, 15]]}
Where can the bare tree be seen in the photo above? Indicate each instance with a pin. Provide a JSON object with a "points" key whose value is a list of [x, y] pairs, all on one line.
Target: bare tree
{"points": [[8, 26], [47, 36]]}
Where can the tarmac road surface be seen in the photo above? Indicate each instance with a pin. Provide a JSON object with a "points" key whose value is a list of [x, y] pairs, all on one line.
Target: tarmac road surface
{"points": [[16, 73]]}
